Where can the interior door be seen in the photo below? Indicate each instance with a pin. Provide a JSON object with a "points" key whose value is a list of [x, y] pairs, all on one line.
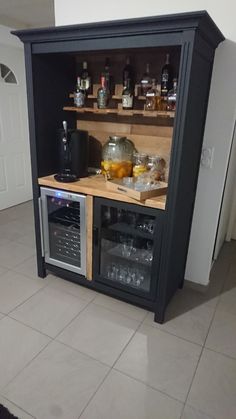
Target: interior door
{"points": [[15, 170]]}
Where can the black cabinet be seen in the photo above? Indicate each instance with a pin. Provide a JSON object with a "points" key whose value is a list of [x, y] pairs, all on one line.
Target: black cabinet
{"points": [[51, 57], [127, 242]]}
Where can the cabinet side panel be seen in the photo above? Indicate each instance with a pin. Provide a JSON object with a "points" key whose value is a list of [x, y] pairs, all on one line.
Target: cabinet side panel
{"points": [[186, 160]]}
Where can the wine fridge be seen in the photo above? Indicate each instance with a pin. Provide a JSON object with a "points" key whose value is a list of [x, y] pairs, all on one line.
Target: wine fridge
{"points": [[63, 229], [127, 247]]}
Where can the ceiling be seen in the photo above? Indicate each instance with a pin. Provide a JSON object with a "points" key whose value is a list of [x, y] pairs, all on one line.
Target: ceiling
{"points": [[21, 14]]}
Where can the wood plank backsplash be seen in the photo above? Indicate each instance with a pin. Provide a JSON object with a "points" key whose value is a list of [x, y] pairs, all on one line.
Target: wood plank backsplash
{"points": [[150, 139]]}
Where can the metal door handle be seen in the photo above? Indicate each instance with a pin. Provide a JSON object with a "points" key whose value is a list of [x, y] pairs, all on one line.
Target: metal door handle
{"points": [[41, 226]]}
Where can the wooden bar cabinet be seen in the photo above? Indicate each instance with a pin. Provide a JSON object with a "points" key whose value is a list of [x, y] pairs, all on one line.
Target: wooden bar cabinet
{"points": [[53, 57]]}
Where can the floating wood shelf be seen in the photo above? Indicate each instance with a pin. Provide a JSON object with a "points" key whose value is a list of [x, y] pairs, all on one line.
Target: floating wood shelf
{"points": [[122, 112]]}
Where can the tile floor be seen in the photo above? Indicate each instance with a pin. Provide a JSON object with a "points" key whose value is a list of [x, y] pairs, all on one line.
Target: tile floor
{"points": [[67, 352]]}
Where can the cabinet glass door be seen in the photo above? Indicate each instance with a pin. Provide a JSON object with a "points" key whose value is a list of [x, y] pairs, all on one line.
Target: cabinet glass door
{"points": [[127, 249]]}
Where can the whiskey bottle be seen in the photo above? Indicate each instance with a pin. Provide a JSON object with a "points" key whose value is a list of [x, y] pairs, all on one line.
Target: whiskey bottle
{"points": [[166, 77], [108, 77], [127, 96], [85, 79], [146, 81], [172, 96], [79, 95], [128, 73], [103, 94], [151, 96]]}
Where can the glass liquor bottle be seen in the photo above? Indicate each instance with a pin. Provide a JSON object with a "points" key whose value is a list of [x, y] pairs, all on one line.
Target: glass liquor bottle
{"points": [[172, 96], [166, 77], [128, 73], [127, 96], [108, 76], [151, 97], [79, 95], [146, 81], [103, 94], [85, 79]]}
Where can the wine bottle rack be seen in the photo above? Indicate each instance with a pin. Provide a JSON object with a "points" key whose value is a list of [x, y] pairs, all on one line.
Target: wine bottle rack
{"points": [[117, 110]]}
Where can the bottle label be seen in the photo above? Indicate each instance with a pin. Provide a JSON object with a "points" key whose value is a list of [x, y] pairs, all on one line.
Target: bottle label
{"points": [[165, 77], [127, 101], [102, 99], [79, 99], [85, 84]]}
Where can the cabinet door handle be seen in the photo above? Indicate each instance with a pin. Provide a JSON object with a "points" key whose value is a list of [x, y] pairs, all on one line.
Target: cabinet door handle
{"points": [[95, 236]]}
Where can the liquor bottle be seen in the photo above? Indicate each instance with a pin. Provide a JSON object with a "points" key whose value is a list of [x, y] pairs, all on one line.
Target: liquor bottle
{"points": [[79, 95], [127, 96], [166, 77], [128, 73], [151, 97], [102, 94], [108, 76], [85, 79], [146, 81], [172, 96]]}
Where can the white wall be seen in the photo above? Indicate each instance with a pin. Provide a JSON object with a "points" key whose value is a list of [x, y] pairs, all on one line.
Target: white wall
{"points": [[221, 110], [7, 38]]}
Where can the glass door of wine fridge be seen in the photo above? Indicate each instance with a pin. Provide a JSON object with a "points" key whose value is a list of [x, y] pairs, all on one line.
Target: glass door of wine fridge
{"points": [[126, 246], [64, 229]]}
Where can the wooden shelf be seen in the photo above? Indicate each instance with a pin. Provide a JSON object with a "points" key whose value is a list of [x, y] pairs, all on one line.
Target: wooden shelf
{"points": [[122, 112], [96, 186]]}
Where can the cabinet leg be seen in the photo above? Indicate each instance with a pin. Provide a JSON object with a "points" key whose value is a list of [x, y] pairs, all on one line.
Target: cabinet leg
{"points": [[181, 284], [159, 316], [41, 268]]}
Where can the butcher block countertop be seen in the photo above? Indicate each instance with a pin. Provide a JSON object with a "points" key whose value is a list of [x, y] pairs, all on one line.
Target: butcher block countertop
{"points": [[96, 186]]}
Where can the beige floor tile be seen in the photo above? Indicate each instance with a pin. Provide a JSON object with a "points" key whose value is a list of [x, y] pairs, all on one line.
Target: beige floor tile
{"points": [[3, 270], [15, 289], [199, 294], [100, 333], [16, 229], [191, 413], [183, 321], [160, 360], [3, 242], [29, 268], [14, 410], [57, 384], [227, 301], [49, 311], [1, 316], [24, 210], [230, 281], [12, 254], [128, 310], [70, 288], [27, 240], [121, 397], [214, 386], [18, 345], [222, 335]]}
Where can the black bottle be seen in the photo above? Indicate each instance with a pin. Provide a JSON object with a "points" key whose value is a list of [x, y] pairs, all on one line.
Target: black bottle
{"points": [[166, 77], [127, 96], [128, 73], [108, 77]]}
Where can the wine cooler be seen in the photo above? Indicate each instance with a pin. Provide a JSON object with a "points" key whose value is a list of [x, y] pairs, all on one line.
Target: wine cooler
{"points": [[127, 247], [63, 228]]}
